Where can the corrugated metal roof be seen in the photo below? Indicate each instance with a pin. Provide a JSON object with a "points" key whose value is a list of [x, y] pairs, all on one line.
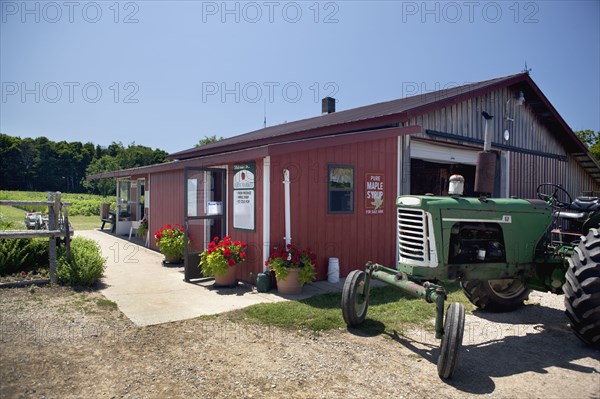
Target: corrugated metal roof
{"points": [[386, 114], [373, 111]]}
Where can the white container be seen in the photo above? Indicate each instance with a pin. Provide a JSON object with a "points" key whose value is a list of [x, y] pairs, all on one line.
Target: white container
{"points": [[333, 271], [457, 185], [214, 208]]}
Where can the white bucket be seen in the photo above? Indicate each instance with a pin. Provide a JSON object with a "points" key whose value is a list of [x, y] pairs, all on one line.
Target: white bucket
{"points": [[333, 271]]}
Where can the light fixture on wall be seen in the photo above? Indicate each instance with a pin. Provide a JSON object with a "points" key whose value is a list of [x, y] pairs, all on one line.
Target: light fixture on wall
{"points": [[519, 100]]}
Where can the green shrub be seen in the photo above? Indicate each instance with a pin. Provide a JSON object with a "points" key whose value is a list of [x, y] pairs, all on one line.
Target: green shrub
{"points": [[23, 255], [86, 265]]}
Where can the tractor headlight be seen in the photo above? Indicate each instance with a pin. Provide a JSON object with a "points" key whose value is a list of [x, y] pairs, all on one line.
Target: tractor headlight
{"points": [[408, 201]]}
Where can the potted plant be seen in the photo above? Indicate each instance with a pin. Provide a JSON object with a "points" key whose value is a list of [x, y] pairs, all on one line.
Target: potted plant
{"points": [[220, 258], [170, 242], [293, 268], [143, 229]]}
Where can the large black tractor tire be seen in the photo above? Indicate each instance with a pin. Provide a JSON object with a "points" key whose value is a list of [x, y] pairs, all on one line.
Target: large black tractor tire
{"points": [[355, 301], [582, 289], [496, 295]]}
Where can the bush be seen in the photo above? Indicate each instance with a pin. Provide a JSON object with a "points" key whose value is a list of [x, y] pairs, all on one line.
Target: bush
{"points": [[86, 265], [23, 255]]}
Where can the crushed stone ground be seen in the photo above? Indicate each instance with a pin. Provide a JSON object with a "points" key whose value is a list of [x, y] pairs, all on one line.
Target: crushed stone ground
{"points": [[58, 343]]}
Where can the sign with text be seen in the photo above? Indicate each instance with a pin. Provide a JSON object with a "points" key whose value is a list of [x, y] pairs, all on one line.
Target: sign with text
{"points": [[374, 193], [244, 206], [243, 175]]}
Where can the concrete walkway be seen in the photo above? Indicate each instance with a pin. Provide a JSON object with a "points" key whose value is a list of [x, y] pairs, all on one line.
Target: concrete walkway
{"points": [[149, 293]]}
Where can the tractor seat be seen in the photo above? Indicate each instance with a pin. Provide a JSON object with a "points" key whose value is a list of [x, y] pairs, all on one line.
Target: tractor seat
{"points": [[585, 204]]}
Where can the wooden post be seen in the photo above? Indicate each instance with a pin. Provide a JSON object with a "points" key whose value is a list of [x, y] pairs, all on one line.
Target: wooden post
{"points": [[67, 233], [52, 240]]}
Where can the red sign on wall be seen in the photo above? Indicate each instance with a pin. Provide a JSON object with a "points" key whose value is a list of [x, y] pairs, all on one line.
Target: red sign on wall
{"points": [[374, 193]]}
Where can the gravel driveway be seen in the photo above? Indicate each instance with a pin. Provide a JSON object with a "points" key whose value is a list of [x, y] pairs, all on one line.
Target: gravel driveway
{"points": [[57, 343]]}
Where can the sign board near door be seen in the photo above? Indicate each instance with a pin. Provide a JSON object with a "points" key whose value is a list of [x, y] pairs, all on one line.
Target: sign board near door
{"points": [[244, 205]]}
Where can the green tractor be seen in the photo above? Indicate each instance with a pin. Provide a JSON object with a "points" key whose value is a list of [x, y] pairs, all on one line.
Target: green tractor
{"points": [[499, 250]]}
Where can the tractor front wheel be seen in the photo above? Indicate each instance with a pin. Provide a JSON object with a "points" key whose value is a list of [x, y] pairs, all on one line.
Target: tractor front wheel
{"points": [[496, 295], [454, 326], [355, 300], [582, 289]]}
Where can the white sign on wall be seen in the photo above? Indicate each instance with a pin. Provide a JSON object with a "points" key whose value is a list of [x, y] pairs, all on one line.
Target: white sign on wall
{"points": [[192, 197], [243, 209], [243, 196]]}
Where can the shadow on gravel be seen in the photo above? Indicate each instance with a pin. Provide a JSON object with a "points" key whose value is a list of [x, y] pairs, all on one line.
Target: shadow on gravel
{"points": [[531, 339], [368, 328]]}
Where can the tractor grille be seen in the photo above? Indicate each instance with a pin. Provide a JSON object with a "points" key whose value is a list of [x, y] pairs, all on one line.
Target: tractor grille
{"points": [[413, 244]]}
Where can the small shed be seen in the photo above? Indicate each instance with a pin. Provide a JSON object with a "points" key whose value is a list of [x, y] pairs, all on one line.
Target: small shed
{"points": [[344, 170]]}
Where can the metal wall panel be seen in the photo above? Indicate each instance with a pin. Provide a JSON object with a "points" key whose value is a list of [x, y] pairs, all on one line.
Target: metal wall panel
{"points": [[528, 171], [353, 238], [166, 201], [526, 133], [464, 119]]}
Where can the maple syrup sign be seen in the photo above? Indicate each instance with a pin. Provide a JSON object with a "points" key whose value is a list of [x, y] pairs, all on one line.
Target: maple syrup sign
{"points": [[374, 194]]}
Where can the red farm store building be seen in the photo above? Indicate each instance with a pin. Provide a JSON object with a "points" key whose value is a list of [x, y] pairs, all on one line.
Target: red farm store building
{"points": [[344, 170]]}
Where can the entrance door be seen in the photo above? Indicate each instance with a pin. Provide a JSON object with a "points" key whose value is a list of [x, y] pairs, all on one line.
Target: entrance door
{"points": [[204, 217]]}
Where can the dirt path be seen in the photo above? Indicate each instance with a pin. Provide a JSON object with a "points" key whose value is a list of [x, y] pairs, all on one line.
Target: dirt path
{"points": [[56, 343]]}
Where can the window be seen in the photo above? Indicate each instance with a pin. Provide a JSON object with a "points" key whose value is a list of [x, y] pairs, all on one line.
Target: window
{"points": [[341, 189]]}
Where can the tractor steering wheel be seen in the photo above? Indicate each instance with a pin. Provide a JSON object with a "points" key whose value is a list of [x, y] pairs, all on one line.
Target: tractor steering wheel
{"points": [[553, 199]]}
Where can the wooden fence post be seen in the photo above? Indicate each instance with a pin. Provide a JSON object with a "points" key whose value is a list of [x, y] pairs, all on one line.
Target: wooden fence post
{"points": [[52, 240], [67, 232]]}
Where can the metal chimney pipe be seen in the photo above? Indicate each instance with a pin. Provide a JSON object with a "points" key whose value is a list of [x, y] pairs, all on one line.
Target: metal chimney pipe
{"points": [[485, 174], [327, 105]]}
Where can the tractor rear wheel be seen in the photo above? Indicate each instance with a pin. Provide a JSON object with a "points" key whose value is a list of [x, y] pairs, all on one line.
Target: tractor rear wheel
{"points": [[496, 295], [582, 289], [354, 300], [454, 326]]}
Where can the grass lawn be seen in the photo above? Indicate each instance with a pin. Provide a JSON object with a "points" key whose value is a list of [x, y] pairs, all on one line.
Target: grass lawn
{"points": [[16, 216], [11, 218], [81, 222], [389, 311]]}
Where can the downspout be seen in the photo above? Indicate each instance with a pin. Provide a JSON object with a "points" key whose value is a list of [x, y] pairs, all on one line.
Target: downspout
{"points": [[288, 227], [266, 210]]}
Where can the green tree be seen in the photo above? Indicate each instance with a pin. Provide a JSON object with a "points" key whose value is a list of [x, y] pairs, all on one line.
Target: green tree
{"points": [[137, 155], [209, 140], [592, 141], [11, 163], [104, 187], [41, 164]]}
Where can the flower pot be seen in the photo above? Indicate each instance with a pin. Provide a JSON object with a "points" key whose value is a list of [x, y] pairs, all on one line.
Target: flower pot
{"points": [[228, 279], [290, 285], [172, 259]]}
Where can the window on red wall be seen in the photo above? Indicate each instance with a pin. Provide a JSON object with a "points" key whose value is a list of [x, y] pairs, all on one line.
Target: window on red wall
{"points": [[340, 187]]}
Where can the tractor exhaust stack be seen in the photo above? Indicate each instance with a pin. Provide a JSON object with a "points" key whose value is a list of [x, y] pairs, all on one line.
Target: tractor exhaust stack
{"points": [[485, 175]]}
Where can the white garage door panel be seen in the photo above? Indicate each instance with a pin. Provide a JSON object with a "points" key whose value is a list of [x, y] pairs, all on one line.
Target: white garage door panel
{"points": [[438, 153]]}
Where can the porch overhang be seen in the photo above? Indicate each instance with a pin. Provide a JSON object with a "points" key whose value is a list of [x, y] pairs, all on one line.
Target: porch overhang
{"points": [[263, 151]]}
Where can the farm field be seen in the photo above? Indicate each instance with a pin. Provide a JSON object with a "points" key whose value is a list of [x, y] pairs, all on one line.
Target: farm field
{"points": [[84, 214]]}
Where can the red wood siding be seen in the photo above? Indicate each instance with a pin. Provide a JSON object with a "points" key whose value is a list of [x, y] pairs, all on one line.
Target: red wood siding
{"points": [[353, 238], [166, 201], [248, 270]]}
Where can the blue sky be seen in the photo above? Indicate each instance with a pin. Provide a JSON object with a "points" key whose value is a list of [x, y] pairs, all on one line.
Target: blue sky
{"points": [[165, 74]]}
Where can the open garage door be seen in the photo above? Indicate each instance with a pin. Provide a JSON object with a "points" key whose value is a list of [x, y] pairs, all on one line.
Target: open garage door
{"points": [[432, 165]]}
